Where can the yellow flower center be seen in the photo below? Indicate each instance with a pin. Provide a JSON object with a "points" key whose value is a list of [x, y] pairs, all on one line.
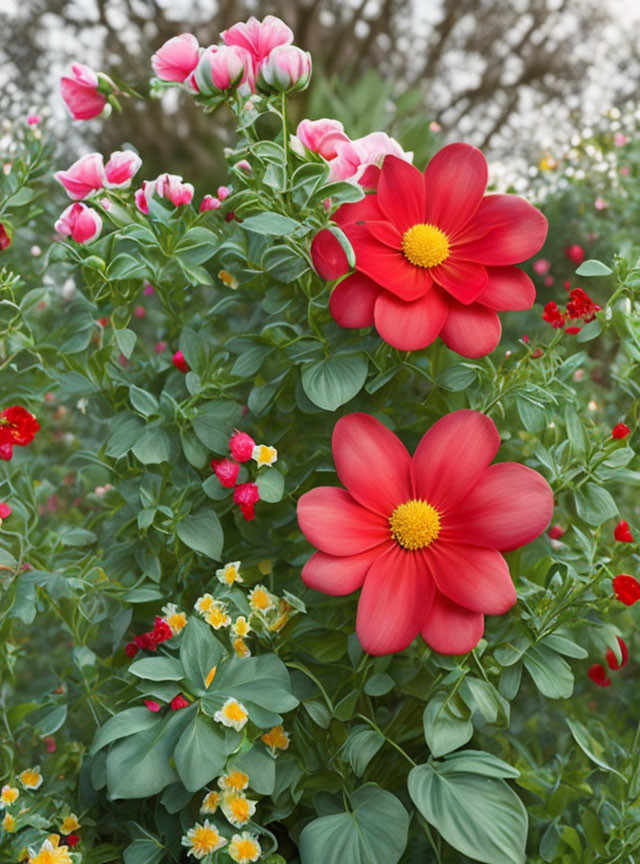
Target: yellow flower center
{"points": [[425, 245], [205, 839], [237, 780], [415, 524], [245, 848], [234, 711]]}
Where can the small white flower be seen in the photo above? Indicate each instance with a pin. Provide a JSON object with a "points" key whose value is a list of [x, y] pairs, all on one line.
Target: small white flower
{"points": [[232, 714]]}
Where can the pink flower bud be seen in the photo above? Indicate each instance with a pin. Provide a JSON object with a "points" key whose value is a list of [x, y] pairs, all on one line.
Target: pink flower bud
{"points": [[223, 192], [172, 187], [179, 362], [286, 69], [33, 119], [177, 58], [159, 347], [5, 511], [148, 289], [328, 257], [322, 136], [121, 168], [246, 495], [140, 312], [541, 266], [226, 470], [179, 702], [140, 196], [5, 238], [85, 176], [259, 38], [50, 744], [575, 253], [209, 203], [244, 165], [241, 446], [79, 90], [152, 705], [620, 139], [222, 67], [79, 222], [555, 532]]}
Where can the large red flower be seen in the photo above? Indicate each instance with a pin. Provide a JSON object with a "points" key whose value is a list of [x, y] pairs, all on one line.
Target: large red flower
{"points": [[422, 536], [17, 426], [434, 255]]}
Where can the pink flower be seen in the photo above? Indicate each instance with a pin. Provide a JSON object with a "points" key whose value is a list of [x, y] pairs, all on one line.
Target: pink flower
{"points": [[620, 139], [85, 176], [148, 289], [152, 705], [121, 168], [622, 532], [259, 38], [244, 165], [356, 156], [177, 58], [172, 187], [179, 702], [286, 69], [140, 312], [226, 470], [179, 362], [79, 222], [223, 192], [322, 136], [541, 266], [159, 347], [50, 744], [600, 204], [5, 511], [225, 66], [80, 92], [575, 253], [209, 203], [140, 196], [246, 495], [241, 446], [620, 430], [33, 119], [548, 281]]}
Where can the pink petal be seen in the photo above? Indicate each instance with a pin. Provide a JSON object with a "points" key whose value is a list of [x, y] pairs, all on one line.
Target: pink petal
{"points": [[473, 577], [472, 331], [401, 193], [337, 576], [452, 456], [508, 288], [333, 522], [509, 506], [506, 229], [463, 280], [388, 267], [372, 463], [414, 325], [353, 300], [455, 180], [451, 629], [394, 602]]}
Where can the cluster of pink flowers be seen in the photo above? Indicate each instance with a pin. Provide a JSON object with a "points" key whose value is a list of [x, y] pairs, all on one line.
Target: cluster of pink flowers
{"points": [[171, 187], [213, 202], [580, 305], [242, 448], [253, 55]]}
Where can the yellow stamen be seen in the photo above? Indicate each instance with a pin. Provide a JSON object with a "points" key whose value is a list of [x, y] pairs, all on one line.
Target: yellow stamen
{"points": [[415, 524], [425, 245]]}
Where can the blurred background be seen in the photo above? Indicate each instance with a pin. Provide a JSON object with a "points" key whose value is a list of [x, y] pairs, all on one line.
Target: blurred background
{"points": [[516, 78]]}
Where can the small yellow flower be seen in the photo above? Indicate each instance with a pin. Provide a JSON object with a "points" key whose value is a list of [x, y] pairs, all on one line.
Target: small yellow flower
{"points": [[241, 648], [276, 739], [69, 824], [232, 714], [265, 455], [235, 780], [8, 796], [217, 617], [51, 853], [241, 626], [31, 778], [230, 573], [237, 808], [176, 620], [9, 823], [260, 599], [244, 848], [202, 840], [547, 163], [204, 604], [211, 674], [229, 280], [210, 802]]}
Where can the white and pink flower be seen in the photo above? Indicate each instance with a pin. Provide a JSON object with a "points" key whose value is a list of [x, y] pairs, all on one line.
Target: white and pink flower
{"points": [[286, 69], [80, 91], [80, 222], [121, 168], [221, 68], [177, 58], [259, 38]]}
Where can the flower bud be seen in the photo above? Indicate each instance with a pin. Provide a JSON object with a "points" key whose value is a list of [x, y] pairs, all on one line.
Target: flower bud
{"points": [[259, 38], [241, 446], [79, 222], [172, 187], [221, 68], [121, 168], [81, 90], [209, 203], [177, 58], [321, 136], [85, 176], [328, 257], [5, 238], [286, 69], [179, 362]]}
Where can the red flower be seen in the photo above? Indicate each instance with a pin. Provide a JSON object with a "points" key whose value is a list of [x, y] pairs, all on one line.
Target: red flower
{"points": [[226, 470], [574, 253], [50, 744], [241, 446], [535, 355], [582, 306], [246, 495], [161, 631], [622, 532], [620, 430], [131, 649], [573, 330], [553, 315], [598, 675], [72, 840], [18, 426], [152, 705], [5, 510], [434, 255], [422, 535], [5, 240], [612, 660], [555, 532], [626, 588], [180, 363], [179, 702]]}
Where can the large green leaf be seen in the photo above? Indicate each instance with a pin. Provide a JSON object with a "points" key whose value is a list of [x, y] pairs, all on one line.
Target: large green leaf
{"points": [[200, 753], [120, 725], [200, 651], [261, 683], [202, 531], [158, 669], [373, 832], [443, 729], [551, 674], [214, 423], [332, 382]]}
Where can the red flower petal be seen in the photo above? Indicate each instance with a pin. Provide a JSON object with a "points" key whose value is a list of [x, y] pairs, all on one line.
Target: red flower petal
{"points": [[394, 602], [413, 325], [401, 193], [464, 280], [386, 233], [451, 629], [626, 589], [360, 211], [598, 675], [328, 256], [509, 506], [612, 660], [472, 331], [455, 180], [473, 577], [335, 523], [352, 301], [508, 288], [452, 456], [506, 229], [372, 463], [339, 575], [386, 266]]}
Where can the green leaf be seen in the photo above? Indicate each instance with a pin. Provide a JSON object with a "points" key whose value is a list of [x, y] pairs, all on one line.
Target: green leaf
{"points": [[200, 753], [158, 669], [479, 816], [564, 646], [261, 768], [457, 377], [590, 331], [270, 223], [373, 832], [589, 746], [153, 446], [126, 429], [478, 762], [214, 423], [575, 432], [258, 682], [126, 266], [77, 537], [344, 241], [443, 730], [145, 403], [379, 684], [333, 382], [594, 504], [202, 531], [284, 263], [120, 725], [361, 746], [197, 246], [270, 485], [550, 673], [125, 340], [593, 267], [200, 651], [143, 851]]}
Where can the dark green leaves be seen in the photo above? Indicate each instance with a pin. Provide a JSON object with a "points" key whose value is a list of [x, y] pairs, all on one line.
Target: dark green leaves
{"points": [[333, 382], [200, 754], [270, 223], [202, 532], [550, 673], [444, 729]]}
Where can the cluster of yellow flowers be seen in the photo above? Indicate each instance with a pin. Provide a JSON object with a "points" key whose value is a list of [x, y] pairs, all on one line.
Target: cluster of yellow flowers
{"points": [[30, 779]]}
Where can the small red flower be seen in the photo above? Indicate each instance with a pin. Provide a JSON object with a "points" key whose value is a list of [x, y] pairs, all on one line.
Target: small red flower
{"points": [[555, 532], [5, 240], [159, 347], [581, 305], [598, 675], [553, 315], [103, 322], [241, 446], [612, 660], [535, 355], [245, 496], [5, 510], [152, 705], [226, 470], [573, 330], [140, 312], [179, 702], [131, 649], [161, 631], [50, 744], [626, 588], [620, 430], [180, 363], [574, 253], [622, 532], [72, 840], [19, 425]]}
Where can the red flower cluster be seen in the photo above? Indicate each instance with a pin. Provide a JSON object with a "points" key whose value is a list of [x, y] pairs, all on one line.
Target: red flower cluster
{"points": [[5, 240], [598, 673], [245, 495], [553, 315], [626, 588], [150, 640], [17, 428], [622, 532], [620, 430], [580, 305]]}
